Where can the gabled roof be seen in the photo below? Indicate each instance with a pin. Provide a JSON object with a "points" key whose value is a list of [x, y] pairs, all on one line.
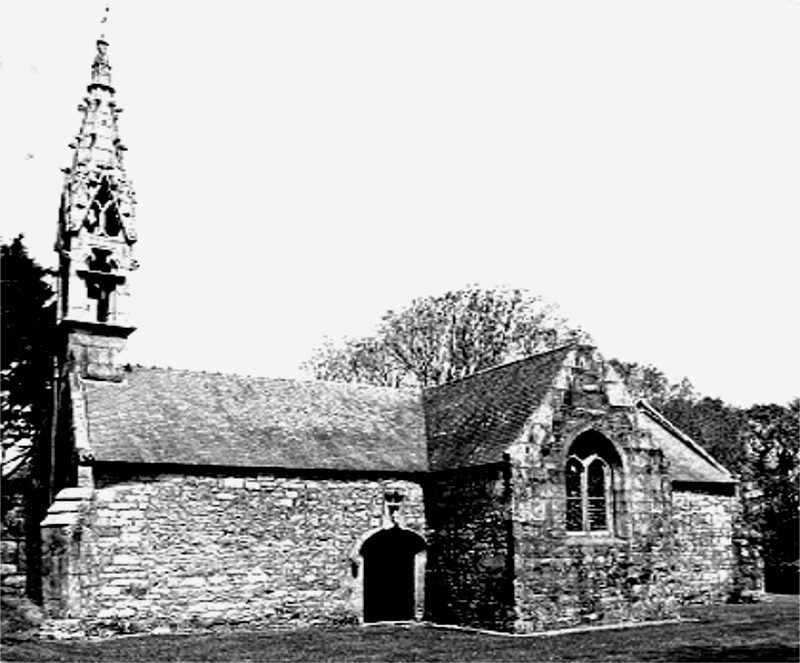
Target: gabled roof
{"points": [[183, 417], [689, 462], [473, 421], [178, 417]]}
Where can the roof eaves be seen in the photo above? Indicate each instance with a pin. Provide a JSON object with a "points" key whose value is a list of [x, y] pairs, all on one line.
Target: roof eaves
{"points": [[253, 470]]}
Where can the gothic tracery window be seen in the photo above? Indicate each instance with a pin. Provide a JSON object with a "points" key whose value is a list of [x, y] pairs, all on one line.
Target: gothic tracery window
{"points": [[104, 214], [591, 471]]}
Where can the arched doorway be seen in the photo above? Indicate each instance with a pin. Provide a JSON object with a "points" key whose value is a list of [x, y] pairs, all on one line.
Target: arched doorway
{"points": [[389, 578]]}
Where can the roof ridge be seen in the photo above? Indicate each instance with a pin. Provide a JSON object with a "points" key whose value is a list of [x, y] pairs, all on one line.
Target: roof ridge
{"points": [[173, 369], [387, 387], [484, 371]]}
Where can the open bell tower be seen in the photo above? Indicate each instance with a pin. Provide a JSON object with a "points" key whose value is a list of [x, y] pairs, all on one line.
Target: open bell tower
{"points": [[96, 234]]}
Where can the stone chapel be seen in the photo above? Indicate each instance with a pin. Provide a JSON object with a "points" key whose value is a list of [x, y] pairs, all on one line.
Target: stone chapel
{"points": [[535, 495]]}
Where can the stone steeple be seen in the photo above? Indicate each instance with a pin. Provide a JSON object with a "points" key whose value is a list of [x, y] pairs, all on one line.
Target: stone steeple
{"points": [[96, 233]]}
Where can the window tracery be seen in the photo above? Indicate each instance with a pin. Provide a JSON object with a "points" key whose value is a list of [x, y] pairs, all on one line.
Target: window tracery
{"points": [[104, 215], [591, 471]]}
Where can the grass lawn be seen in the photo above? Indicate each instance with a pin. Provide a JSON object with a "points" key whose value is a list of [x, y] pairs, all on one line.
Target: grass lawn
{"points": [[759, 632]]}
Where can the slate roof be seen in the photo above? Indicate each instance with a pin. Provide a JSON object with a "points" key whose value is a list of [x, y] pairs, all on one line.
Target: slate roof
{"points": [[689, 462], [193, 418], [209, 419], [473, 421]]}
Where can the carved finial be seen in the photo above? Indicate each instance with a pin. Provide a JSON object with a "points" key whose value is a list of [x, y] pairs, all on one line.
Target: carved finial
{"points": [[101, 69]]}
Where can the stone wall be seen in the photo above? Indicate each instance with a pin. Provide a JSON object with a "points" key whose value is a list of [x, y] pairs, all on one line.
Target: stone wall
{"points": [[566, 579], [705, 560], [163, 551], [173, 551], [470, 576], [13, 565], [13, 552]]}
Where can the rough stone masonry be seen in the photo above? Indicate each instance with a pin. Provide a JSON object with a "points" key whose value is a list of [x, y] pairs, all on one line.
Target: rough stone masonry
{"points": [[532, 495]]}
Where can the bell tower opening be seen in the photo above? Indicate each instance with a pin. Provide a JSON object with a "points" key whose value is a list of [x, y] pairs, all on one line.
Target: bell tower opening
{"points": [[104, 216], [101, 281]]}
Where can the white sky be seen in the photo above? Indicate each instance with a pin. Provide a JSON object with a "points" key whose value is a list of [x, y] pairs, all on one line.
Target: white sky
{"points": [[303, 167]]}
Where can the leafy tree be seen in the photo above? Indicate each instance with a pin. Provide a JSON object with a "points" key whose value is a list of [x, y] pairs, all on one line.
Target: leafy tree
{"points": [[442, 338], [651, 384], [26, 356], [772, 435], [364, 360]]}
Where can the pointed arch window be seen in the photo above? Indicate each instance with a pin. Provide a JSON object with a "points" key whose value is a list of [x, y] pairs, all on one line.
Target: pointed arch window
{"points": [[592, 486], [104, 213]]}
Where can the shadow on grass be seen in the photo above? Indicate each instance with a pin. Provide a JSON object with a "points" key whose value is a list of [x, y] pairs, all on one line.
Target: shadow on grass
{"points": [[739, 653]]}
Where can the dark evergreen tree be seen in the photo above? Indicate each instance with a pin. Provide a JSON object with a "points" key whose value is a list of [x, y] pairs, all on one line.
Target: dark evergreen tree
{"points": [[772, 435], [27, 345], [26, 353]]}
